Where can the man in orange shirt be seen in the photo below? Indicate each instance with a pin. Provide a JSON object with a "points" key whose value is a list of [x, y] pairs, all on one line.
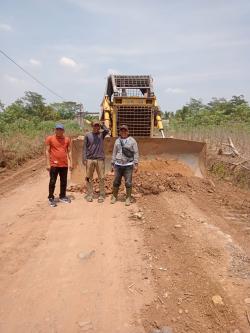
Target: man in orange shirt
{"points": [[57, 157]]}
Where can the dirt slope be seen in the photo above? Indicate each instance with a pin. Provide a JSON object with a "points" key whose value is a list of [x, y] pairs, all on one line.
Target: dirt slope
{"points": [[89, 267], [9, 179]]}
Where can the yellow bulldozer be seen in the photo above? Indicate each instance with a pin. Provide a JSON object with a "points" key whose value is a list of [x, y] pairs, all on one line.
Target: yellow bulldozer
{"points": [[130, 100]]}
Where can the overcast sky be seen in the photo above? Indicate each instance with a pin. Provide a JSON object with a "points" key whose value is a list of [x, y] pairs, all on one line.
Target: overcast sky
{"points": [[192, 48]]}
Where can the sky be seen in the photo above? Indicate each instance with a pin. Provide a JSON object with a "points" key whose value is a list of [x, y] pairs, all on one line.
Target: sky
{"points": [[192, 48]]}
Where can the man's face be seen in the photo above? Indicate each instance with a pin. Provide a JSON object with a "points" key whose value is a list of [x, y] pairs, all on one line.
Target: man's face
{"points": [[96, 128], [59, 132], [124, 133]]}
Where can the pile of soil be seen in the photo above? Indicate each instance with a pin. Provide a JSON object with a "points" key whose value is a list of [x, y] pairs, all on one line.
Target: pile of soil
{"points": [[165, 166], [155, 177]]}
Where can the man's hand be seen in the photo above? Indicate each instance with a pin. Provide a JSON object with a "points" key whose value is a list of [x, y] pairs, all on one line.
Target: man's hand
{"points": [[70, 168], [48, 167], [135, 168], [84, 162], [112, 168]]}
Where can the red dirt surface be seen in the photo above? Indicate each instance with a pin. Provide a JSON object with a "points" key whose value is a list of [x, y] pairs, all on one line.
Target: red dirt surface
{"points": [[178, 257], [198, 249]]}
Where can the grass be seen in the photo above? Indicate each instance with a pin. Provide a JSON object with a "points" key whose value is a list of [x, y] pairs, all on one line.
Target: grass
{"points": [[24, 140]]}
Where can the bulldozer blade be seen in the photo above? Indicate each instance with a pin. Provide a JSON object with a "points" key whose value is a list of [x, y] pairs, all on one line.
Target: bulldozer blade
{"points": [[190, 153]]}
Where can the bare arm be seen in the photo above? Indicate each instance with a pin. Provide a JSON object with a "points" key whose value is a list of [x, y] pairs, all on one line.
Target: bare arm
{"points": [[84, 153], [105, 130], [47, 156], [114, 154], [69, 155], [136, 156]]}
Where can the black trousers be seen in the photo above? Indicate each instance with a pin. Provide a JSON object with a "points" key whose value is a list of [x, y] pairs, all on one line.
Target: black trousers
{"points": [[123, 171], [63, 172]]}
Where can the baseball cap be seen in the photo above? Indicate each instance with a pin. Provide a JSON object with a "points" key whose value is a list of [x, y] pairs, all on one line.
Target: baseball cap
{"points": [[59, 126], [96, 122], [124, 127]]}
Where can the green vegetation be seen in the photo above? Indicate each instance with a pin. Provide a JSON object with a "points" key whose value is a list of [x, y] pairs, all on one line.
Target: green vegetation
{"points": [[218, 112], [25, 123], [212, 122]]}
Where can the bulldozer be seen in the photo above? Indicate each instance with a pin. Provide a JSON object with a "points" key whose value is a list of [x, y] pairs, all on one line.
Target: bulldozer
{"points": [[130, 100]]}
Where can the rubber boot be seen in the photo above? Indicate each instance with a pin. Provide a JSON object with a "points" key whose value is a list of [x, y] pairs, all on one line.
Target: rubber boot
{"points": [[128, 196], [102, 191], [114, 195], [89, 185]]}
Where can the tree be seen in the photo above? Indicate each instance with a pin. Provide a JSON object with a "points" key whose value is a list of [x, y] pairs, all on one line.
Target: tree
{"points": [[30, 107], [168, 114], [238, 100], [1, 106], [14, 111], [34, 106], [217, 111], [195, 105], [66, 110]]}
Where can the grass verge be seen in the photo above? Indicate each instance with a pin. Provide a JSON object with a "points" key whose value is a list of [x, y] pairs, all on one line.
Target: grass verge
{"points": [[24, 140]]}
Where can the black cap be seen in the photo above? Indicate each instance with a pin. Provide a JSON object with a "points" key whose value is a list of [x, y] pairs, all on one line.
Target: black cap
{"points": [[124, 127]]}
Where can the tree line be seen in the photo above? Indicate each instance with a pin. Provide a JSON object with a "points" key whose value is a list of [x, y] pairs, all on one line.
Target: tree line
{"points": [[216, 112], [32, 109]]}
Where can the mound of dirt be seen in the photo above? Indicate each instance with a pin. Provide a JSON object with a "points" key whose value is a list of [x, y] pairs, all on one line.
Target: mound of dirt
{"points": [[155, 177], [165, 166]]}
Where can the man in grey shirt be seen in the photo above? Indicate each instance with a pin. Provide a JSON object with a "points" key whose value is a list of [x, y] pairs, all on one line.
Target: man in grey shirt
{"points": [[124, 162], [93, 159]]}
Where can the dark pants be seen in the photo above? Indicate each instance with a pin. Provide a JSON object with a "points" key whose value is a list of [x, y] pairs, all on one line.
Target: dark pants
{"points": [[63, 172], [123, 171]]}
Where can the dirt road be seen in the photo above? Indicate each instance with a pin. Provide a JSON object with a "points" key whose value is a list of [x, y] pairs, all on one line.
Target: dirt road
{"points": [[69, 268], [182, 262]]}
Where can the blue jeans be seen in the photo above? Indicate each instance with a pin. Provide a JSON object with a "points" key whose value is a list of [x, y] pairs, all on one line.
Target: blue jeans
{"points": [[123, 171]]}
